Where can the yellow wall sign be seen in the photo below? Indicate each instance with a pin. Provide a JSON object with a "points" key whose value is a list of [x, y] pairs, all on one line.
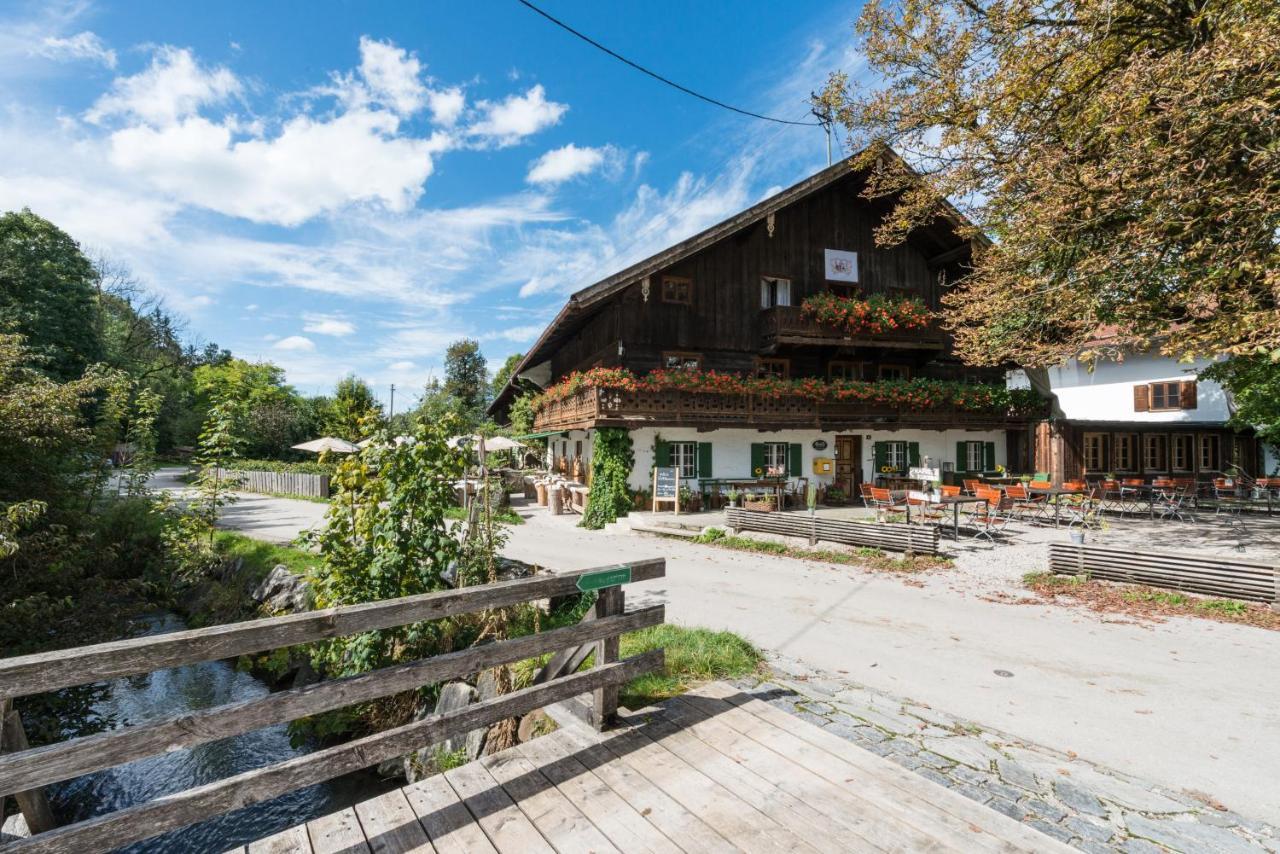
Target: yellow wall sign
{"points": [[823, 465]]}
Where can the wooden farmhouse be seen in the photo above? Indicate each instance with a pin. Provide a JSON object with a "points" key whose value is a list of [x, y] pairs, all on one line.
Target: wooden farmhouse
{"points": [[784, 343]]}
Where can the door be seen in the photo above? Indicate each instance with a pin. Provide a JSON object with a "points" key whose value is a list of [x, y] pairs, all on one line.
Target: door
{"points": [[848, 459]]}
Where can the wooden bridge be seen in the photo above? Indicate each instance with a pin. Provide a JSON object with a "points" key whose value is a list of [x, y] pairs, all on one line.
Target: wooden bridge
{"points": [[714, 770]]}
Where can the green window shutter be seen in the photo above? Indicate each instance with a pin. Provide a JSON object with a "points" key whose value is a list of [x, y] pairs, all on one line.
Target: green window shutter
{"points": [[757, 459], [662, 454], [989, 456], [793, 460], [962, 456], [913, 454], [704, 459], [881, 455]]}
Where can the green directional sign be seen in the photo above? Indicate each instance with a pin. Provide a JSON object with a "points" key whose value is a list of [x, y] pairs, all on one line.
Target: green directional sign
{"points": [[604, 578]]}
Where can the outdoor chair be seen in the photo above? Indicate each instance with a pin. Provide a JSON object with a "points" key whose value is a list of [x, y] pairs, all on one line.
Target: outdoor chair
{"points": [[950, 491], [882, 501], [989, 517], [1078, 485], [1024, 505], [1037, 483], [1171, 503], [922, 511], [971, 486], [867, 498], [1041, 475], [1083, 510]]}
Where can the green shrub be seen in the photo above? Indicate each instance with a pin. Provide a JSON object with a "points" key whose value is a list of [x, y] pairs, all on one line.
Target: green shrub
{"points": [[611, 461], [304, 467]]}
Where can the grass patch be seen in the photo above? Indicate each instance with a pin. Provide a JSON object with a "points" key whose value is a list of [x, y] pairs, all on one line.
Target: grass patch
{"points": [[262, 557], [865, 557], [506, 517], [692, 656]]}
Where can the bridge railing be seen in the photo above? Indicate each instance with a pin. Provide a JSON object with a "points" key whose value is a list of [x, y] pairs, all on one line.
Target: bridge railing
{"points": [[30, 769]]}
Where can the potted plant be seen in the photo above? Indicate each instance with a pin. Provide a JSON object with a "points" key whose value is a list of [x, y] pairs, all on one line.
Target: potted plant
{"points": [[835, 496], [690, 501], [734, 496], [761, 502], [935, 490]]}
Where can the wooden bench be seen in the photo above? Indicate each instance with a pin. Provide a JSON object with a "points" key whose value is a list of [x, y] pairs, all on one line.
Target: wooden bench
{"points": [[31, 769], [882, 535], [1211, 575]]}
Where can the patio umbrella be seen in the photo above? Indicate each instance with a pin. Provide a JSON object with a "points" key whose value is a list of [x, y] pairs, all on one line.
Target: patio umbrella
{"points": [[491, 444], [398, 440], [327, 443]]}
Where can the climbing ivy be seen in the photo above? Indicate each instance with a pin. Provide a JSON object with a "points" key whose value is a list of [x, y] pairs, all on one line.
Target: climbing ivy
{"points": [[611, 461]]}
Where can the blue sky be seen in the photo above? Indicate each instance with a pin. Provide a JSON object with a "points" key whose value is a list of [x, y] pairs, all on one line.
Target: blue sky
{"points": [[348, 187]]}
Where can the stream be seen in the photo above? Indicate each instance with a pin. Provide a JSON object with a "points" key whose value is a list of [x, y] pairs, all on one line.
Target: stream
{"points": [[179, 690]]}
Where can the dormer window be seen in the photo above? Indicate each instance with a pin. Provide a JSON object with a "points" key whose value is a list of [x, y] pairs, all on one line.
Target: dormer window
{"points": [[677, 289], [776, 368], [774, 291], [676, 361]]}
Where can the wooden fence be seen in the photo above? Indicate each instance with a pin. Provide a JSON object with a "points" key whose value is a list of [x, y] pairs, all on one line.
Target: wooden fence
{"points": [[28, 770], [1194, 573], [281, 482], [919, 539]]}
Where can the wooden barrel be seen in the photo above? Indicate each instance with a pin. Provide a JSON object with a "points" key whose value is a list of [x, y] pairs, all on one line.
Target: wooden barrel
{"points": [[542, 493]]}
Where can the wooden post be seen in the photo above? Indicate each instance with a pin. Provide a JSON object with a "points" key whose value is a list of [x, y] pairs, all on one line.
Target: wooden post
{"points": [[653, 495], [610, 602], [33, 803], [677, 491]]}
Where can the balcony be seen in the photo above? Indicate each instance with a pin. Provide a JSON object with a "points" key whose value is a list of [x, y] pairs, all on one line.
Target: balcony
{"points": [[784, 325], [603, 407]]}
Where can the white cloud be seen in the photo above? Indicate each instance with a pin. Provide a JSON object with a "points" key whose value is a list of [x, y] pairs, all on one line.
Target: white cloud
{"points": [[561, 164], [446, 105], [509, 121], [517, 334], [83, 45], [296, 343], [322, 324], [175, 85], [401, 366], [392, 75]]}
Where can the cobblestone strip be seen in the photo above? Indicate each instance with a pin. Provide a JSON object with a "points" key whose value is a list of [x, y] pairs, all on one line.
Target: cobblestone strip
{"points": [[1090, 808]]}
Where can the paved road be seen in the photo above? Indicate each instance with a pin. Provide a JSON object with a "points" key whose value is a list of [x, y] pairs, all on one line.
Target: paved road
{"points": [[264, 517], [1191, 704]]}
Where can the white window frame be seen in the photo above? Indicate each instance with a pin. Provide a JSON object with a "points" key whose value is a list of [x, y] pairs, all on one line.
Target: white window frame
{"points": [[684, 456], [1095, 451], [895, 455], [774, 291], [1123, 444], [1204, 441], [1183, 444], [971, 462], [775, 456], [1159, 462]]}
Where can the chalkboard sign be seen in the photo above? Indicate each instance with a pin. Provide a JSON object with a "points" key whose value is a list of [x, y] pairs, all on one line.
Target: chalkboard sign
{"points": [[664, 482]]}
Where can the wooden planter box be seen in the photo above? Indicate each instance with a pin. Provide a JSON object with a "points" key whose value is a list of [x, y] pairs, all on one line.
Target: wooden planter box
{"points": [[760, 505]]}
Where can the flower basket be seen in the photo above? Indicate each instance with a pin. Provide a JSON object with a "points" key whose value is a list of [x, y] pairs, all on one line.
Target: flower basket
{"points": [[761, 503]]}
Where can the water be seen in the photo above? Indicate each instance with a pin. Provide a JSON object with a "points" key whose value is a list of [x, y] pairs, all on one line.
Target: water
{"points": [[178, 690]]}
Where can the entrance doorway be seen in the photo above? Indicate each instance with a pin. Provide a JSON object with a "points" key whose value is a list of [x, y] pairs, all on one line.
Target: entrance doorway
{"points": [[848, 464]]}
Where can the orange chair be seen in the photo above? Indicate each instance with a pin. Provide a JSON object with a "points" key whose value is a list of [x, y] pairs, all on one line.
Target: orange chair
{"points": [[1041, 484], [953, 491], [971, 486]]}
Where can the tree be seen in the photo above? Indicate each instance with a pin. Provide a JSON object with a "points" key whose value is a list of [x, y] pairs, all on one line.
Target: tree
{"points": [[1121, 154], [1254, 383], [219, 445], [48, 292], [466, 381], [351, 410], [504, 374]]}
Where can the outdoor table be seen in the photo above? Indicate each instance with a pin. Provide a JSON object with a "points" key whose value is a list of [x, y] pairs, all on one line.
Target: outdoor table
{"points": [[1056, 493], [955, 501]]}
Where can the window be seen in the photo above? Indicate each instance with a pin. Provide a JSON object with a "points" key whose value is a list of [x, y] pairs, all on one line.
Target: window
{"points": [[677, 289], [844, 289], [894, 372], [895, 455], [780, 368], [842, 370], [577, 448], [1155, 452], [774, 291], [1166, 395], [1210, 452], [684, 456], [973, 457], [1096, 448], [1180, 445], [674, 361], [1126, 452], [775, 459]]}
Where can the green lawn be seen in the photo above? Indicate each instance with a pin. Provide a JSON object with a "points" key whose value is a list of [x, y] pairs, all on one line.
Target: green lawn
{"points": [[692, 656], [262, 557], [509, 517]]}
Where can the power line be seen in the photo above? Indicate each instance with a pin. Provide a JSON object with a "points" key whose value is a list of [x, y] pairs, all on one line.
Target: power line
{"points": [[657, 76]]}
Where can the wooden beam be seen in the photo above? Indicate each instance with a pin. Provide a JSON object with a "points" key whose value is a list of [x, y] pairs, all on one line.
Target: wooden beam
{"points": [[69, 759], [950, 255], [609, 603], [56, 669], [31, 800], [124, 827]]}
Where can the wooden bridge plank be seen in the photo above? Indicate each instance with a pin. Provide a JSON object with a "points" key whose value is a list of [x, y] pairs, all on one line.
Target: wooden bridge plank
{"points": [[615, 818], [152, 818], [390, 826], [337, 833], [55, 669], [507, 827], [679, 824], [68, 759], [557, 819], [292, 841], [445, 818]]}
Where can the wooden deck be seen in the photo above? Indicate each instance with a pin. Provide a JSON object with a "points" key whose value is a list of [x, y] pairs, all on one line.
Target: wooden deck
{"points": [[715, 770]]}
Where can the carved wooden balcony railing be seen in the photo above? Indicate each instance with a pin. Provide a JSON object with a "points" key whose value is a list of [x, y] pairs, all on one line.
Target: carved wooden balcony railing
{"points": [[600, 407], [785, 325]]}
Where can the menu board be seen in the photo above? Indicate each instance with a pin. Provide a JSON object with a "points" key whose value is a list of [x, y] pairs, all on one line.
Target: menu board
{"points": [[665, 480]]}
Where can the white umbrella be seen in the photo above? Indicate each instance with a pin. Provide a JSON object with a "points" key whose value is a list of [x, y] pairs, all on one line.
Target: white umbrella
{"points": [[398, 440], [327, 443], [493, 443]]}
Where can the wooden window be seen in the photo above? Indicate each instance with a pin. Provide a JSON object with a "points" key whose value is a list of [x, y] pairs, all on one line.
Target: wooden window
{"points": [[1097, 447], [775, 459], [848, 290], [840, 369], [1181, 454], [780, 368], [1164, 396], [893, 372], [1126, 452], [677, 289], [774, 291], [1155, 452], [678, 361], [684, 456], [1210, 452]]}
